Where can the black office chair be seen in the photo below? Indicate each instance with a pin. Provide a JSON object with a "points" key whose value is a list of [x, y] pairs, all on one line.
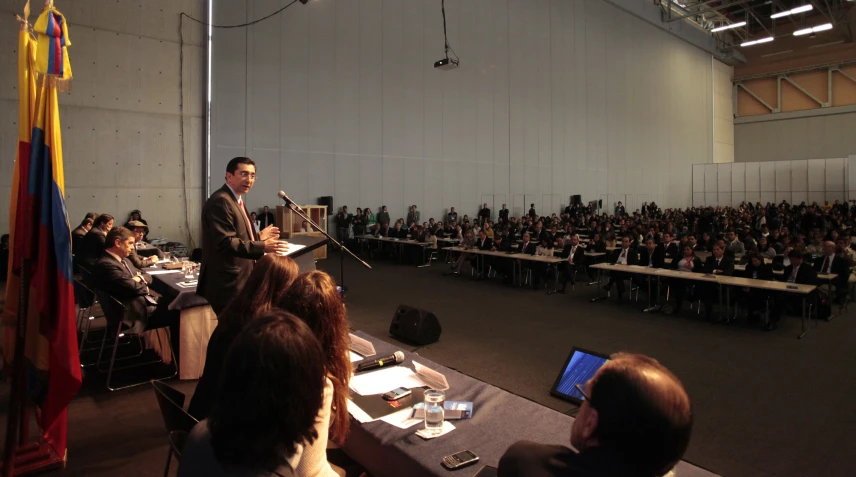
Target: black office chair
{"points": [[176, 420], [196, 255], [115, 311]]}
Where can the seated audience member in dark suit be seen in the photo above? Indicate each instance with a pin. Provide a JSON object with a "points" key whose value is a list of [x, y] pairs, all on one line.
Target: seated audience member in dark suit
{"points": [[670, 249], [636, 420], [271, 277], [263, 421], [755, 298], [651, 257], [623, 256], [92, 245], [829, 262], [574, 256], [716, 264], [503, 215], [527, 246], [79, 232], [796, 272], [114, 274], [383, 230], [687, 263]]}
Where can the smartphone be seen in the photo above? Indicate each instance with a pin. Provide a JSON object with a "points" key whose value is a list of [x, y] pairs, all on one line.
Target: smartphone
{"points": [[396, 394], [460, 459], [487, 471]]}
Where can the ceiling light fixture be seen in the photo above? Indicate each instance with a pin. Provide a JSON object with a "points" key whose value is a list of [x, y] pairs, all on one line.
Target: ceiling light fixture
{"points": [[728, 27], [806, 31], [758, 41], [793, 11]]}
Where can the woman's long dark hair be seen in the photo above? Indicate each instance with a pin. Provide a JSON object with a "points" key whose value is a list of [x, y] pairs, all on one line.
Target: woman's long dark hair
{"points": [[315, 298], [270, 278], [269, 394]]}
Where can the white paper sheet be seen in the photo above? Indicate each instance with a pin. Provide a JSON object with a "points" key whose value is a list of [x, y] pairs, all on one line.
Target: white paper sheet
{"points": [[355, 357], [401, 419], [383, 380], [162, 272]]}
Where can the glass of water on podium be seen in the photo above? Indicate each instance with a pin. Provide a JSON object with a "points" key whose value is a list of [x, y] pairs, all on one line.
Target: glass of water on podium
{"points": [[434, 416]]}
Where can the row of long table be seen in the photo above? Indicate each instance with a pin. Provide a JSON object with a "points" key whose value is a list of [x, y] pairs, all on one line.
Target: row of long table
{"points": [[723, 282]]}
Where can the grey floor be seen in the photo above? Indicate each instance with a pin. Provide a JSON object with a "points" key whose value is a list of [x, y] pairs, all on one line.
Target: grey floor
{"points": [[766, 404]]}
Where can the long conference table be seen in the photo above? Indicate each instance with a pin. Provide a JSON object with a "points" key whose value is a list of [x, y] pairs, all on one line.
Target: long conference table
{"points": [[499, 420], [723, 282], [517, 259]]}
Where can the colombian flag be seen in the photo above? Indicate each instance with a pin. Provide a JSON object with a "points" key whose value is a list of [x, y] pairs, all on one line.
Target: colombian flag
{"points": [[40, 233]]}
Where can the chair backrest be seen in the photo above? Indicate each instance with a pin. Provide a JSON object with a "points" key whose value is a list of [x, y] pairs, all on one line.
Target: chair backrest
{"points": [[113, 309], [83, 295], [196, 255], [176, 441], [171, 403]]}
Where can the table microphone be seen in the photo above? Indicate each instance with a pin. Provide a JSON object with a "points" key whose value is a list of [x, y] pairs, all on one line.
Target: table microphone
{"points": [[390, 360]]}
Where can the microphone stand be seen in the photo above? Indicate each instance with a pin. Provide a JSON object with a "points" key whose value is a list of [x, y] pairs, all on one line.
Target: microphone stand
{"points": [[297, 210]]}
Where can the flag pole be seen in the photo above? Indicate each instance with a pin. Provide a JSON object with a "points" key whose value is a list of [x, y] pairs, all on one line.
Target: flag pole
{"points": [[16, 399]]}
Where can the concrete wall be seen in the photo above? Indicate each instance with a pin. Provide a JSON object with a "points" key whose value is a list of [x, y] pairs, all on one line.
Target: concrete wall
{"points": [[553, 98], [121, 124], [818, 137]]}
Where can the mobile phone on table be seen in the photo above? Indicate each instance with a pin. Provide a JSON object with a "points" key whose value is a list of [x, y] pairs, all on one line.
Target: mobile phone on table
{"points": [[396, 394], [487, 471], [460, 459]]}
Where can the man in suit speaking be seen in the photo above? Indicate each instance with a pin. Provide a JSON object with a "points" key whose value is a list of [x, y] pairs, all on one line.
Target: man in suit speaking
{"points": [[230, 244]]}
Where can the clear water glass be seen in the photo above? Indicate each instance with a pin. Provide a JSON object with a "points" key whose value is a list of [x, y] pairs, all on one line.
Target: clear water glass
{"points": [[434, 416], [188, 271]]}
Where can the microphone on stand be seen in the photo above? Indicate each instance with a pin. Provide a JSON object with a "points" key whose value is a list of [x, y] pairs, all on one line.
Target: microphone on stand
{"points": [[391, 360]]}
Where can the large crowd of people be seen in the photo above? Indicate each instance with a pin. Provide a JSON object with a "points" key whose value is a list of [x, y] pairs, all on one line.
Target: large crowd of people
{"points": [[764, 238]]}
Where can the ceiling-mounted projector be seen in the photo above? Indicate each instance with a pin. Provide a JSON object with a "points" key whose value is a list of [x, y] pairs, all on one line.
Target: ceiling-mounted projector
{"points": [[446, 64]]}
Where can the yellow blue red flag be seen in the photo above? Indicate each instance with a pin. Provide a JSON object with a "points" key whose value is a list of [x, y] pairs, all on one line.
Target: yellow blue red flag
{"points": [[40, 236]]}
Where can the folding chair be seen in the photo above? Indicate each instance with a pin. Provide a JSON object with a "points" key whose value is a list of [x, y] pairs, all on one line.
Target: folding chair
{"points": [[115, 311], [176, 420]]}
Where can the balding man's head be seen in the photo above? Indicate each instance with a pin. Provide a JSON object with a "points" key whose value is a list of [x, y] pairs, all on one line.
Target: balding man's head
{"points": [[829, 247], [639, 410]]}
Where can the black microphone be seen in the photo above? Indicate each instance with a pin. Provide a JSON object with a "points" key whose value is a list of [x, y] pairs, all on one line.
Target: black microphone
{"points": [[390, 360]]}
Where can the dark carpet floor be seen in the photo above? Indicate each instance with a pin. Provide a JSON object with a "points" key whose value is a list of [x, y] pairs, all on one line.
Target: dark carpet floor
{"points": [[766, 404]]}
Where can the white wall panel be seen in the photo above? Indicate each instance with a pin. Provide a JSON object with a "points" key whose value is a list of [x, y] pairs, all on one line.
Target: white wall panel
{"points": [[710, 198], [768, 176], [753, 196], [787, 196], [698, 177], [793, 139], [541, 106], [710, 177], [753, 177], [767, 197], [799, 176], [738, 177], [783, 176], [724, 198], [818, 197], [737, 197], [799, 197], [816, 175], [835, 175], [724, 177]]}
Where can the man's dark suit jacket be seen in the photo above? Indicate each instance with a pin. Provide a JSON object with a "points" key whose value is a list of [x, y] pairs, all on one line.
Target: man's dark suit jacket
{"points": [[486, 245], [529, 459], [503, 215], [77, 239], [632, 256], [579, 253], [670, 250], [839, 267], [229, 249], [805, 275], [91, 247], [726, 265], [265, 219], [109, 275], [530, 248], [383, 231], [505, 244], [656, 260]]}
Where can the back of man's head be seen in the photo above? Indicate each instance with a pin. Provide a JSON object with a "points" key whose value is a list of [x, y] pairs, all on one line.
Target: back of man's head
{"points": [[644, 413]]}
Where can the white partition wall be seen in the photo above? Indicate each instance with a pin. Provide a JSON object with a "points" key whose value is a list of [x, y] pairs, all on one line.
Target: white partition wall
{"points": [[813, 180]]}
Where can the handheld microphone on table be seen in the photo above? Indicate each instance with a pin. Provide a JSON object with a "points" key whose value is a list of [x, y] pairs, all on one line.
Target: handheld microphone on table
{"points": [[390, 360]]}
